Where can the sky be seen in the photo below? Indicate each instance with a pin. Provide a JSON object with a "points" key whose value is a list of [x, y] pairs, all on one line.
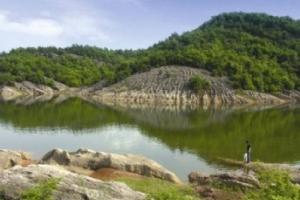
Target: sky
{"points": [[116, 24]]}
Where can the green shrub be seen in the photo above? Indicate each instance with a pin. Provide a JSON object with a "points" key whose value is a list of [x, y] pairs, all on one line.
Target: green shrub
{"points": [[43, 191], [198, 83]]}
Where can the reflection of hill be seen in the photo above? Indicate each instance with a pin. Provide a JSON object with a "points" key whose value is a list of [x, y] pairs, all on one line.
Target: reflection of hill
{"points": [[74, 114], [274, 132]]}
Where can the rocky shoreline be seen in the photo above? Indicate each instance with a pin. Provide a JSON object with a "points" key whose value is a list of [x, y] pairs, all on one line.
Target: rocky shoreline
{"points": [[86, 174], [164, 86], [78, 173]]}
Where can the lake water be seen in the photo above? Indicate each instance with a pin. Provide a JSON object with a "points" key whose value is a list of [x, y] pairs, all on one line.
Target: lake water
{"points": [[181, 140]]}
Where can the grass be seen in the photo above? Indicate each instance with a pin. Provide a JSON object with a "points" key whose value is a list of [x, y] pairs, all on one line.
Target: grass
{"points": [[2, 194], [275, 185], [156, 189], [43, 191]]}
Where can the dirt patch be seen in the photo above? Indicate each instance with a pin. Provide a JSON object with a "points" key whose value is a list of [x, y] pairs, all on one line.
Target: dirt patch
{"points": [[26, 162]]}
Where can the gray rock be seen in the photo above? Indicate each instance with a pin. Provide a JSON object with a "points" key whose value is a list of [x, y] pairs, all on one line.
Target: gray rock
{"points": [[70, 186], [233, 179], [8, 93], [88, 159]]}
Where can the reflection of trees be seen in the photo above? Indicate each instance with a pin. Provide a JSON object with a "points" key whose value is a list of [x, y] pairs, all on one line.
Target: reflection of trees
{"points": [[74, 114], [274, 133]]}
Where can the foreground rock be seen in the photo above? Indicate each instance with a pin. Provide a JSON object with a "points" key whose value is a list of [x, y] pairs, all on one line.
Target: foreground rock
{"points": [[230, 179], [91, 160], [9, 158], [70, 186], [210, 186]]}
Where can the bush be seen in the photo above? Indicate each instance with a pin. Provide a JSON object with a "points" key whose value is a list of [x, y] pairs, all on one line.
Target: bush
{"points": [[198, 83]]}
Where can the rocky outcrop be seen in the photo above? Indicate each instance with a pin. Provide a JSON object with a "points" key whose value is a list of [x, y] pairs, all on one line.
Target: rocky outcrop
{"points": [[70, 185], [25, 89], [9, 159], [164, 86], [27, 93], [168, 86], [91, 160]]}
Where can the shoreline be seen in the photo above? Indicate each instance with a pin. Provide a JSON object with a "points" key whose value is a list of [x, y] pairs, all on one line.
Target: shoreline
{"points": [[88, 165]]}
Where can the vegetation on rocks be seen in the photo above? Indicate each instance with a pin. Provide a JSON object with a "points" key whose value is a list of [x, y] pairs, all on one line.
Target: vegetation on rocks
{"points": [[275, 185], [198, 83], [256, 52], [43, 191]]}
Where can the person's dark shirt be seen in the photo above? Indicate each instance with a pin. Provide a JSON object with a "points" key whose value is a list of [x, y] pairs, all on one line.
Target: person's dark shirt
{"points": [[248, 147]]}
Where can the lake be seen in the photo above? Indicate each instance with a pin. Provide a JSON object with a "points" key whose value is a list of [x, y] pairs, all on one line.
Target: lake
{"points": [[181, 140]]}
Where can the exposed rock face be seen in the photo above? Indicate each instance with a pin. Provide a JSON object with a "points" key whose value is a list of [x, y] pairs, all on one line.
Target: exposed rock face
{"points": [[88, 159], [25, 89], [9, 159], [168, 86], [70, 186], [32, 89], [27, 93]]}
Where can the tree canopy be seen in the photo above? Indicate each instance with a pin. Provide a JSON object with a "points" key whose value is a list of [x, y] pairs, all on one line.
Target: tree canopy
{"points": [[255, 51]]}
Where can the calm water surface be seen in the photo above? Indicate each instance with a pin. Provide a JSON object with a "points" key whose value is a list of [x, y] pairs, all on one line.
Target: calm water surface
{"points": [[181, 140]]}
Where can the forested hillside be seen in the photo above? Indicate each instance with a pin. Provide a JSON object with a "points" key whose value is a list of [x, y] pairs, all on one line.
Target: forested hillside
{"points": [[256, 51]]}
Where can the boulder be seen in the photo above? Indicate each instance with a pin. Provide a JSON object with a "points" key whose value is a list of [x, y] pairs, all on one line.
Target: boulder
{"points": [[11, 158], [70, 185], [88, 159]]}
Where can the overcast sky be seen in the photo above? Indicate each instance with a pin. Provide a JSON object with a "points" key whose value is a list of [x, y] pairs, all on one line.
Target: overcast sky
{"points": [[116, 23]]}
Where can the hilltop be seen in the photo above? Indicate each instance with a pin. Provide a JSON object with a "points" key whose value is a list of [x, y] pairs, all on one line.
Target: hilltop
{"points": [[254, 51]]}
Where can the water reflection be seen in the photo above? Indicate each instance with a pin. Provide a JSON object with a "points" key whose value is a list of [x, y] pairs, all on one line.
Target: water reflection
{"points": [[182, 140]]}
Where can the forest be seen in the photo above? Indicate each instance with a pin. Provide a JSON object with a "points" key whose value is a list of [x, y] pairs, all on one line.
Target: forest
{"points": [[255, 51]]}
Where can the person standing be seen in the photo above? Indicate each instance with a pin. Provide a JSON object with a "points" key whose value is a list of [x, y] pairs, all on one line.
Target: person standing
{"points": [[248, 151]]}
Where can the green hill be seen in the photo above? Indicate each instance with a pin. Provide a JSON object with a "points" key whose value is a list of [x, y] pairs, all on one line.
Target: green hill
{"points": [[256, 51]]}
